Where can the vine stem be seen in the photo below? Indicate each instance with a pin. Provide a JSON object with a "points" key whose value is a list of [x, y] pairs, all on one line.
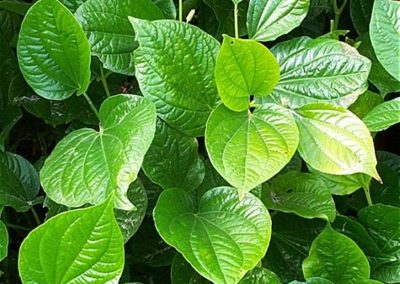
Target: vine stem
{"points": [[338, 11], [180, 11], [236, 16], [368, 195], [94, 109], [104, 82], [35, 215], [18, 227]]}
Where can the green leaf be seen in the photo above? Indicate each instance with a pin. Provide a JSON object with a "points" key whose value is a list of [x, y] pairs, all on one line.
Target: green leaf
{"points": [[167, 7], [53, 52], [269, 19], [336, 257], [110, 33], [72, 5], [174, 75], [3, 241], [260, 275], [244, 68], [385, 32], [360, 12], [378, 75], [335, 141], [383, 116], [383, 224], [211, 179], [17, 7], [365, 103], [183, 273], [314, 280], [319, 70], [87, 165], [223, 238], [170, 147], [83, 245], [249, 148], [130, 221], [300, 193], [19, 182], [343, 184]]}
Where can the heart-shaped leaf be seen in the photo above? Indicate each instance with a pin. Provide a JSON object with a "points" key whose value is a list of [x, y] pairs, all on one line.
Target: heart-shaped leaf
{"points": [[319, 70], [300, 193], [109, 31], [53, 51], [87, 165], [174, 74], [336, 257], [223, 238], [269, 19], [385, 32], [249, 148], [78, 246], [19, 184], [244, 68], [3, 241], [383, 116], [170, 147], [335, 141]]}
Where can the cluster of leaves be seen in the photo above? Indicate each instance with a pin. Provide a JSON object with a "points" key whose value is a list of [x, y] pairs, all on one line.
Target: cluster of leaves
{"points": [[158, 151]]}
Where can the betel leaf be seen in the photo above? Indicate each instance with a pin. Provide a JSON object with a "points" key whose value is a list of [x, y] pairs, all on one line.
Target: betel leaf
{"points": [[385, 32], [110, 33], [319, 70], [383, 116], [343, 184], [249, 148], [313, 280], [211, 179], [53, 51], [172, 160], [260, 275], [301, 193], [244, 68], [167, 7], [183, 273], [174, 74], [269, 19], [3, 241], [336, 257], [72, 5], [223, 238], [130, 221], [87, 165], [79, 246], [365, 103], [360, 12], [19, 184], [335, 141]]}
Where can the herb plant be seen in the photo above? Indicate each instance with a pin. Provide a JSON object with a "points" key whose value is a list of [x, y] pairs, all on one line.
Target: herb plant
{"points": [[199, 141]]}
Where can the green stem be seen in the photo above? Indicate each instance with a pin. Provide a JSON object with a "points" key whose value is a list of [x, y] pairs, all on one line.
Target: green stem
{"points": [[18, 227], [236, 15], [367, 195], [104, 82], [94, 109], [338, 11], [35, 215], [180, 11]]}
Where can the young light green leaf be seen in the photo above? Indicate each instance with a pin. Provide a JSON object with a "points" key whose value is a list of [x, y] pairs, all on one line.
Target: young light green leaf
{"points": [[360, 12], [78, 246], [319, 70], [336, 257], [130, 221], [174, 74], [19, 184], [53, 51], [383, 116], [260, 275], [170, 147], [220, 249], [87, 165], [335, 141], [3, 241], [269, 19], [249, 148], [110, 33], [385, 33], [300, 193], [244, 68], [343, 184]]}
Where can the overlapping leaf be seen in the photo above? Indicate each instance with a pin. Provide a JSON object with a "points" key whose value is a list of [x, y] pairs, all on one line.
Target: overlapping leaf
{"points": [[383, 116], [3, 241]]}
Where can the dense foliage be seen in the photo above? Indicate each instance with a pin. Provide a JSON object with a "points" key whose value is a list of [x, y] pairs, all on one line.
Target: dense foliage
{"points": [[231, 141]]}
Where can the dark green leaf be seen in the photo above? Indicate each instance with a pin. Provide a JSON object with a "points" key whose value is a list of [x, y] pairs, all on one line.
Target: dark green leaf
{"points": [[383, 116], [3, 241], [260, 275], [360, 12]]}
